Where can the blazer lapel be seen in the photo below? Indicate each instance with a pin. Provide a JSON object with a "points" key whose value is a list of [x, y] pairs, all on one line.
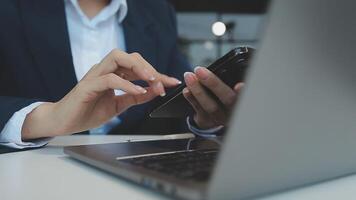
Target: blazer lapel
{"points": [[46, 31], [139, 30]]}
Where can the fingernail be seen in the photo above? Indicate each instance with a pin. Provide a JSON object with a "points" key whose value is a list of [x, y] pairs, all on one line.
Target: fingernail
{"points": [[189, 78], [159, 86], [178, 81], [202, 73], [141, 89], [151, 78], [239, 86], [185, 91], [196, 68], [186, 74]]}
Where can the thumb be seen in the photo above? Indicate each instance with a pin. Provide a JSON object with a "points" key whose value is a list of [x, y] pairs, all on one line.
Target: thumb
{"points": [[238, 87]]}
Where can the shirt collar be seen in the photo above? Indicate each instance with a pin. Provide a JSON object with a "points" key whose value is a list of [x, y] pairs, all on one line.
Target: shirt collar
{"points": [[116, 7]]}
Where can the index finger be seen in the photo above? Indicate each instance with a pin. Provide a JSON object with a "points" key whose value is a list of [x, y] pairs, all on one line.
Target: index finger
{"points": [[116, 59], [166, 80]]}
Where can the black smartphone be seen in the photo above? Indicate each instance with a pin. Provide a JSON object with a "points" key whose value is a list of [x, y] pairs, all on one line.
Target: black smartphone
{"points": [[231, 69]]}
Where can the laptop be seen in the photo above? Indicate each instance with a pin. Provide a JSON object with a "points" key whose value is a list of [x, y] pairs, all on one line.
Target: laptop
{"points": [[294, 125]]}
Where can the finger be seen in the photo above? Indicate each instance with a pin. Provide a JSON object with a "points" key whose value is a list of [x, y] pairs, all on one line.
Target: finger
{"points": [[161, 79], [202, 118], [118, 59], [125, 101], [155, 83], [158, 85], [208, 104], [144, 72], [133, 67], [193, 102], [166, 80], [158, 88], [226, 95], [143, 66], [126, 74], [238, 87], [112, 81]]}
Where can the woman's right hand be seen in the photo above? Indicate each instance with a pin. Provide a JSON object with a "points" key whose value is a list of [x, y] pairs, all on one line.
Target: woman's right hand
{"points": [[92, 102]]}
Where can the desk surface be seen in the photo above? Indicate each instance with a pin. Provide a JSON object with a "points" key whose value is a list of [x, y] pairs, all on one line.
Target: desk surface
{"points": [[49, 174]]}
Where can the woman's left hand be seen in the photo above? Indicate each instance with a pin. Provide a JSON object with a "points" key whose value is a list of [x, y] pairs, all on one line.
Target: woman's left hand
{"points": [[209, 112]]}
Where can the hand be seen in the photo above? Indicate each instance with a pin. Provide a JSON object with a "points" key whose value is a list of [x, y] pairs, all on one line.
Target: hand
{"points": [[209, 112], [92, 102]]}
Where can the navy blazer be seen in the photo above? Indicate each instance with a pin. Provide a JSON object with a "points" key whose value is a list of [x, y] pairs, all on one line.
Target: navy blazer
{"points": [[36, 61]]}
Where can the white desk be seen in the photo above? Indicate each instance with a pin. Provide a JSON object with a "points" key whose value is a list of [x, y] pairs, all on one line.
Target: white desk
{"points": [[49, 174]]}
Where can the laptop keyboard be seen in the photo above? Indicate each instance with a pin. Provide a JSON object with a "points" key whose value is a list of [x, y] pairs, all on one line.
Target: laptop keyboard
{"points": [[187, 165]]}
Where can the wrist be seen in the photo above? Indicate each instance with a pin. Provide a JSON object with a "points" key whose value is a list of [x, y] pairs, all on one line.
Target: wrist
{"points": [[197, 122], [41, 122], [211, 132]]}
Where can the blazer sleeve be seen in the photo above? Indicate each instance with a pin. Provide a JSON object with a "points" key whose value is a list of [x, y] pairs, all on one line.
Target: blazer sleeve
{"points": [[10, 105]]}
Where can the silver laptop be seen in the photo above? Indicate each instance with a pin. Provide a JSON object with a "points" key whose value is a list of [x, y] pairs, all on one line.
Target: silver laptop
{"points": [[295, 123]]}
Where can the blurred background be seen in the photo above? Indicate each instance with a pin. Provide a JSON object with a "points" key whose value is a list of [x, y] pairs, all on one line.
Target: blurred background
{"points": [[210, 28]]}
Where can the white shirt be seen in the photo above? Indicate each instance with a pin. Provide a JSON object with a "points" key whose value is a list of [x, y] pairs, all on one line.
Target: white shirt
{"points": [[90, 40]]}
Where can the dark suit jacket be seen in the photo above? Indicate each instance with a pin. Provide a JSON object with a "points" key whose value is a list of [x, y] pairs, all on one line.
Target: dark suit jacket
{"points": [[36, 60]]}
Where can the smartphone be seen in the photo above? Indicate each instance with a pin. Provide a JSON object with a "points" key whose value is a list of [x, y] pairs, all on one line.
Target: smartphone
{"points": [[231, 69]]}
